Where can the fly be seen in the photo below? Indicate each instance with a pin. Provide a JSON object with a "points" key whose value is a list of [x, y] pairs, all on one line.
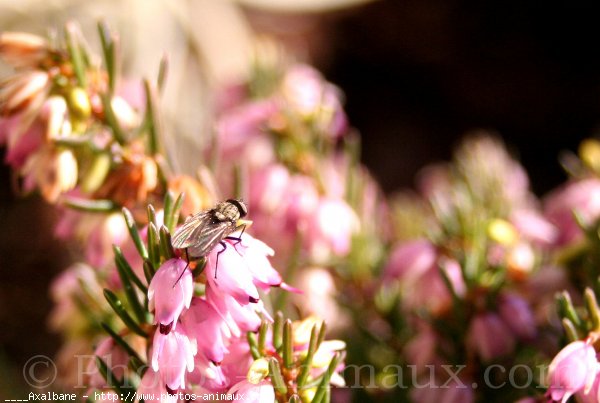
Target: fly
{"points": [[201, 232]]}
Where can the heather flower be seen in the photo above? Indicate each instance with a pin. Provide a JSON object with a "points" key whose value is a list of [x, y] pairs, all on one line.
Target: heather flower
{"points": [[262, 392], [242, 125], [26, 90], [330, 229], [534, 227], [319, 297], [52, 170], [593, 394], [207, 328], [490, 337], [206, 375], [416, 265], [573, 369], [455, 392], [238, 316], [22, 50], [115, 358], [110, 230], [421, 350], [581, 197], [132, 181], [308, 94], [66, 292], [170, 291], [21, 142], [242, 267], [517, 315], [232, 276], [173, 355], [153, 389], [410, 260]]}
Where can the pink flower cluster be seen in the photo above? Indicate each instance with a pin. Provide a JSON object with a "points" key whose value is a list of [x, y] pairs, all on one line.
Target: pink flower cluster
{"points": [[199, 341], [292, 190]]}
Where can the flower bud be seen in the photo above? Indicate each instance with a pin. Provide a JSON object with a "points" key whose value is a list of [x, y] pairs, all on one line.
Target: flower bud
{"points": [[79, 103], [258, 371]]}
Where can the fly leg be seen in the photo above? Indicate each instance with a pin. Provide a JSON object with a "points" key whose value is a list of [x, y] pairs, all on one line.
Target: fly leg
{"points": [[237, 239], [187, 259], [224, 245]]}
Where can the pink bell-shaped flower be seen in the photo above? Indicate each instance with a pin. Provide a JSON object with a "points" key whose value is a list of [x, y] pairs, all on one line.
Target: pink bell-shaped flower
{"points": [[574, 369], [170, 291], [172, 355]]}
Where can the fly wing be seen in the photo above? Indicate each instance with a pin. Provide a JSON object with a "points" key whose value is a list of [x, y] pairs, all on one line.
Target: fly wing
{"points": [[187, 234], [209, 237]]}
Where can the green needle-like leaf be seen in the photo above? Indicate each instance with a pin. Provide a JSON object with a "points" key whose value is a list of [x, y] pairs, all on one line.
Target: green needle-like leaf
{"points": [[121, 342], [288, 348], [124, 264], [120, 310], [126, 274], [153, 247], [112, 121], [323, 387], [276, 377], [312, 348], [165, 247], [135, 234], [92, 206]]}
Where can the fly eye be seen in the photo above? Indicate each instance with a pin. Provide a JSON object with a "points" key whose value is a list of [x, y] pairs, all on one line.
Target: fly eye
{"points": [[241, 206]]}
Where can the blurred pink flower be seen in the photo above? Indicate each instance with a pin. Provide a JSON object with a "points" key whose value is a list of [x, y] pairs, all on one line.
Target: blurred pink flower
{"points": [[268, 190], [115, 358], [582, 197], [416, 265], [454, 392], [312, 97], [319, 297], [533, 226], [410, 260], [330, 229], [572, 370], [21, 142], [239, 126], [421, 350], [489, 337], [517, 315], [170, 291], [108, 231]]}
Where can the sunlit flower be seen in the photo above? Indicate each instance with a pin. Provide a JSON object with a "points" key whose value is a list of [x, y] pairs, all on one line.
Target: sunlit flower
{"points": [[22, 50], [131, 182], [572, 370], [51, 170], [260, 393], [170, 291], [173, 355]]}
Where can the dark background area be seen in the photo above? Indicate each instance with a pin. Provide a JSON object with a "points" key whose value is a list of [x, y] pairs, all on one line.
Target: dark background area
{"points": [[417, 75]]}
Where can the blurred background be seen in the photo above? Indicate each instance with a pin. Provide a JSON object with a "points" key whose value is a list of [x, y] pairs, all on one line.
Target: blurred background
{"points": [[417, 75]]}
